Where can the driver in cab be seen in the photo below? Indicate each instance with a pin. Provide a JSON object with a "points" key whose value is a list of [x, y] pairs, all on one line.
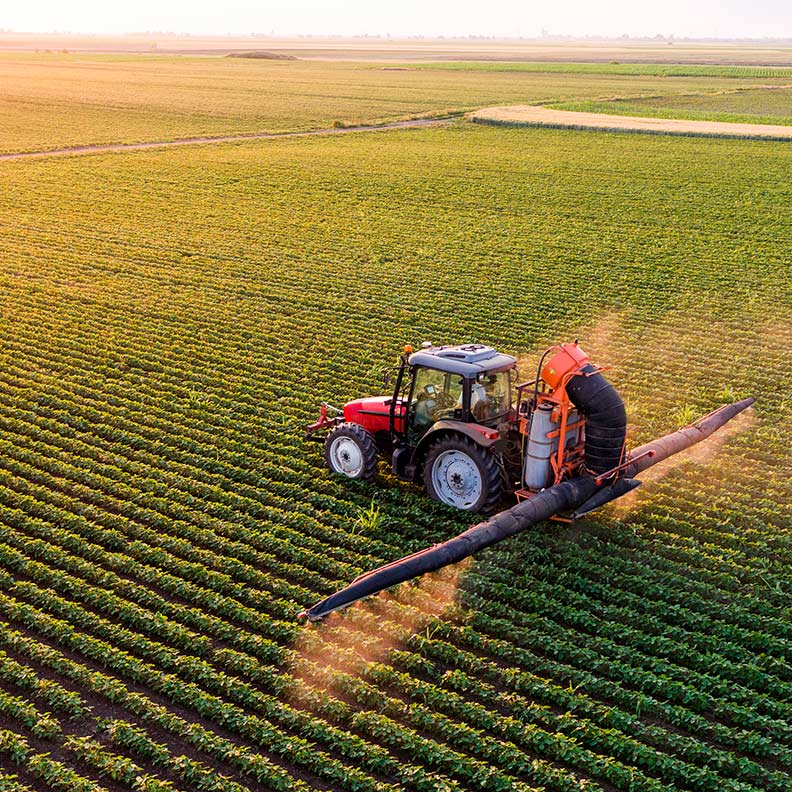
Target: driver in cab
{"points": [[435, 402], [483, 397]]}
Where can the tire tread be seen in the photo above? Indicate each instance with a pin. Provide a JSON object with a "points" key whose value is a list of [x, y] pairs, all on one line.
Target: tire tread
{"points": [[364, 440], [492, 479]]}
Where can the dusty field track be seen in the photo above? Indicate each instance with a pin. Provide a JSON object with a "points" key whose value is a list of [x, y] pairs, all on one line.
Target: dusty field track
{"points": [[194, 141], [527, 115]]}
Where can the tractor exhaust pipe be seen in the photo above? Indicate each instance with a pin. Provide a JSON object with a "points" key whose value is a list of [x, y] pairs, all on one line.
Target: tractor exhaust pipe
{"points": [[564, 497]]}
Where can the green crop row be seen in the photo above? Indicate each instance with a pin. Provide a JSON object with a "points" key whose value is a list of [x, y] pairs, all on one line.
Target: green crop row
{"points": [[49, 691], [115, 692], [53, 774], [531, 679], [170, 323], [191, 617], [611, 719], [640, 570], [42, 724], [613, 67], [604, 729], [123, 769], [67, 416], [98, 439], [679, 653], [211, 706]]}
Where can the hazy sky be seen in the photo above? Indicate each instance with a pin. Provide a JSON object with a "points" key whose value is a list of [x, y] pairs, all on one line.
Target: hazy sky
{"points": [[699, 18]]}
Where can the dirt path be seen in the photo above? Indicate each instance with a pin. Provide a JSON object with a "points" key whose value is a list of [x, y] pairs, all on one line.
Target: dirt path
{"points": [[194, 141], [527, 115]]}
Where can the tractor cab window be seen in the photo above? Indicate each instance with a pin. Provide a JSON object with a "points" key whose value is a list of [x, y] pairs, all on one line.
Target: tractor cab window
{"points": [[490, 396], [436, 395]]}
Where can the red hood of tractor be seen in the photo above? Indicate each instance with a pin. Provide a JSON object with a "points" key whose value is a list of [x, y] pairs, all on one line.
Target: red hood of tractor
{"points": [[373, 413]]}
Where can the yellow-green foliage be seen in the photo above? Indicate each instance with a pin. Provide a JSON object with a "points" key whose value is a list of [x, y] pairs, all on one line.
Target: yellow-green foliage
{"points": [[169, 320], [54, 100]]}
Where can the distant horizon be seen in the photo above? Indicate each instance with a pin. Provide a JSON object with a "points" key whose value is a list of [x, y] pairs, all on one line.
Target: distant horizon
{"points": [[720, 20], [570, 37]]}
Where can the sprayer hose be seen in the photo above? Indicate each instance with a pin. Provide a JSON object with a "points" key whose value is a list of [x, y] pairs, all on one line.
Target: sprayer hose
{"points": [[606, 418]]}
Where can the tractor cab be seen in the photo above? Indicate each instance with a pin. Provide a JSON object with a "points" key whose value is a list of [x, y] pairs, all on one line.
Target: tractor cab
{"points": [[442, 423], [451, 422], [471, 383]]}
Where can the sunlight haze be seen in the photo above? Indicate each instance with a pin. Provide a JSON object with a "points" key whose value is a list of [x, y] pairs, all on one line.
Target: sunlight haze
{"points": [[505, 18]]}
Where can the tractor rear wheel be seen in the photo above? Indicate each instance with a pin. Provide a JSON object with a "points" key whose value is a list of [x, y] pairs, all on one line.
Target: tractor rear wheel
{"points": [[351, 450], [460, 473]]}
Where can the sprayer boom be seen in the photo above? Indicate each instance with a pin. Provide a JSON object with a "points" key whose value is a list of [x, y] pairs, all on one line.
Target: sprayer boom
{"points": [[578, 495]]}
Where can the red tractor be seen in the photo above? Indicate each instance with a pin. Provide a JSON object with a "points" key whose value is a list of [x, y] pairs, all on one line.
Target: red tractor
{"points": [[453, 421]]}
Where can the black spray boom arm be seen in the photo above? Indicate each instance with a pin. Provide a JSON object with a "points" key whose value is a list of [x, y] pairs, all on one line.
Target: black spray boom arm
{"points": [[565, 497]]}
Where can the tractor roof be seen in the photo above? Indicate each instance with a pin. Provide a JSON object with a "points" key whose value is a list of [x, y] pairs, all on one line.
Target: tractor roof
{"points": [[465, 359]]}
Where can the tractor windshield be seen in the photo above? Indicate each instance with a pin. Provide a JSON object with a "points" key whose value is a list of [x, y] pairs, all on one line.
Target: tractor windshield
{"points": [[490, 396], [436, 395]]}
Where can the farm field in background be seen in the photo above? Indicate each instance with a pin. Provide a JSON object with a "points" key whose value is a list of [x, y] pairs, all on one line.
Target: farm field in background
{"points": [[660, 69], [53, 100], [558, 118], [169, 321], [766, 105], [425, 50]]}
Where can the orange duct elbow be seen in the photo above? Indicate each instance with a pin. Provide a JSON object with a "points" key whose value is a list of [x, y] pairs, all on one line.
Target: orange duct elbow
{"points": [[568, 358]]}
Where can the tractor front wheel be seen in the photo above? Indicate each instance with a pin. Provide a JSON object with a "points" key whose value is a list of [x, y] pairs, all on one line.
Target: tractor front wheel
{"points": [[460, 473], [351, 450]]}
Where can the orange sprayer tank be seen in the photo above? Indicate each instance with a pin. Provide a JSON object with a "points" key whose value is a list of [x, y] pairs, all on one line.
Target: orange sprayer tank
{"points": [[568, 358]]}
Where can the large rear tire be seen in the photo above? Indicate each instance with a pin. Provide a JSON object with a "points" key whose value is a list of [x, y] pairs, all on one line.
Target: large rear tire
{"points": [[351, 450], [460, 473]]}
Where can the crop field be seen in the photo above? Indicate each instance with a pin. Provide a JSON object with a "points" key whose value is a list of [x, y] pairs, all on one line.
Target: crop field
{"points": [[767, 105], [375, 49], [52, 100], [171, 319], [616, 67]]}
